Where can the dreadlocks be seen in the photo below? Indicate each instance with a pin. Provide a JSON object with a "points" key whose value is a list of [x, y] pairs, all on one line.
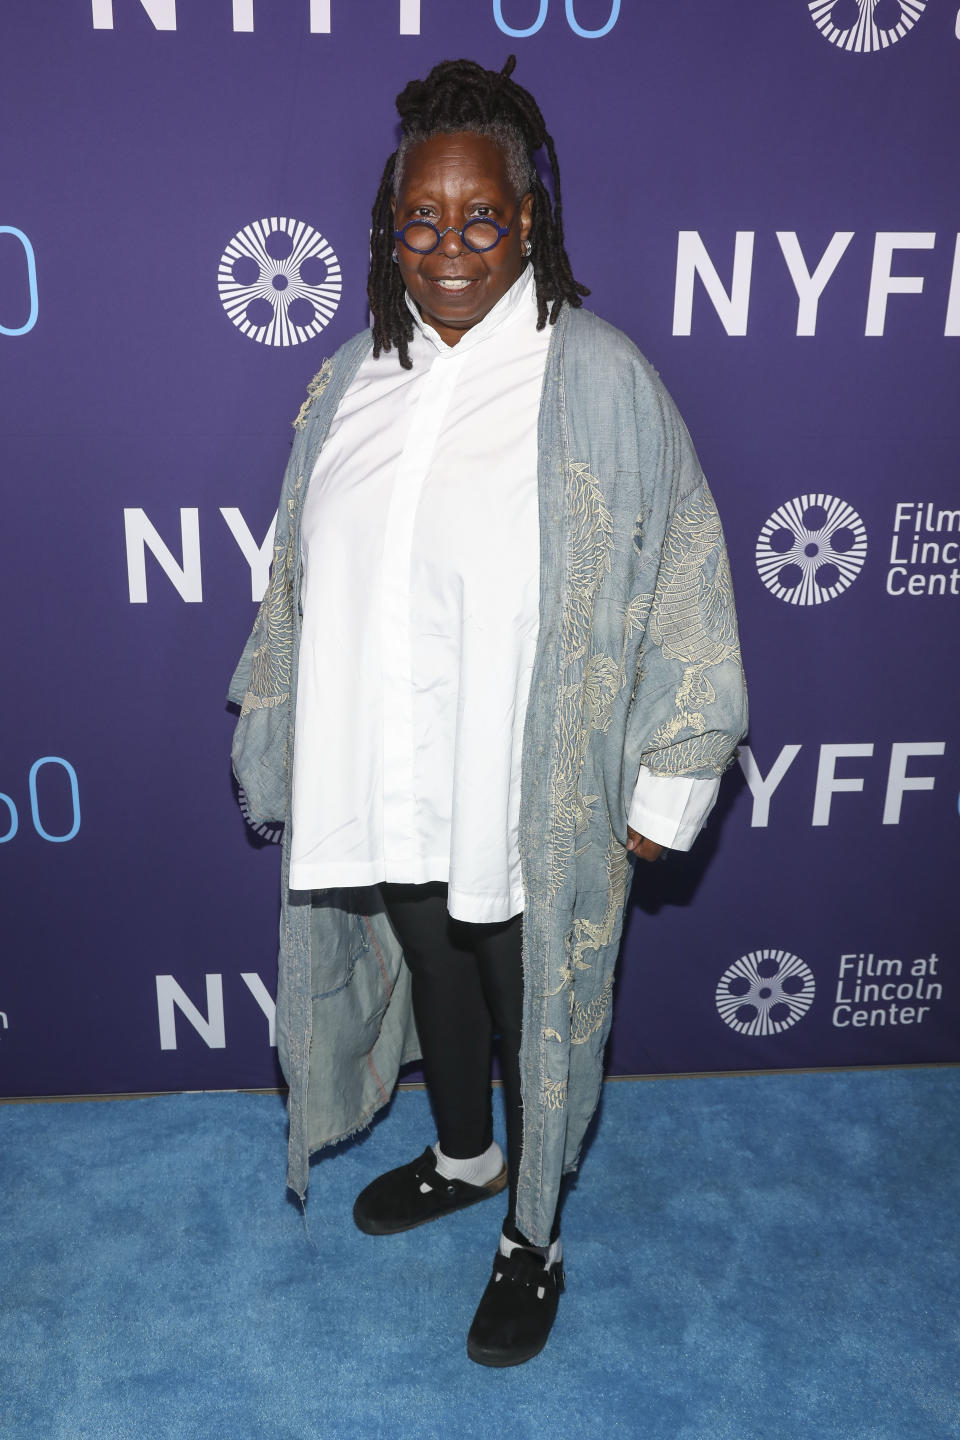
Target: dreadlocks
{"points": [[461, 95]]}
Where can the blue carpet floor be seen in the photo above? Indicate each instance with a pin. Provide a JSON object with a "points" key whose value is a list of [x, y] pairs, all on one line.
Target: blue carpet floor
{"points": [[754, 1258]]}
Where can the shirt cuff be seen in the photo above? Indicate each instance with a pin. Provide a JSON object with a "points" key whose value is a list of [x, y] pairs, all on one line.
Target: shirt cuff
{"points": [[670, 809]]}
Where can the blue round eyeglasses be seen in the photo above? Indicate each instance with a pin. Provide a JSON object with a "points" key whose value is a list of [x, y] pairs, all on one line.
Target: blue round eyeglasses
{"points": [[423, 237]]}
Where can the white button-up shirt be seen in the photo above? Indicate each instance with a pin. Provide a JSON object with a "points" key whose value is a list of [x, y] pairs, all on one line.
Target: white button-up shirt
{"points": [[420, 596]]}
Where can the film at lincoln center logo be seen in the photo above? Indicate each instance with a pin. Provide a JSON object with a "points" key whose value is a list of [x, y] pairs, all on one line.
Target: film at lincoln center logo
{"points": [[765, 992], [811, 549], [279, 281], [865, 24]]}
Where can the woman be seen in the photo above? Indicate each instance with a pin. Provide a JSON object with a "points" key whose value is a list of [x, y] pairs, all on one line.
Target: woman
{"points": [[497, 656]]}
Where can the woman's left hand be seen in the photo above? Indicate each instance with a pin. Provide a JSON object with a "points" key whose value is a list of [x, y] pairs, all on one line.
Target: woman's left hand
{"points": [[642, 848]]}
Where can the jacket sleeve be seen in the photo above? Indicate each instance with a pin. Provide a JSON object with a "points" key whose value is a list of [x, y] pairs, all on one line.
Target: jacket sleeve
{"points": [[689, 707], [261, 682]]}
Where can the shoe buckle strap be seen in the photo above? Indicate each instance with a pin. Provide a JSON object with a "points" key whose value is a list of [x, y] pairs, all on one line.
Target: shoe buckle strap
{"points": [[537, 1277], [430, 1177]]}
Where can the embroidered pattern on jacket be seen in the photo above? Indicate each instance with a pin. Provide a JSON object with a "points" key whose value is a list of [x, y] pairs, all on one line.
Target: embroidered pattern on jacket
{"points": [[586, 1020], [693, 621], [588, 551], [272, 659], [603, 679], [315, 389]]}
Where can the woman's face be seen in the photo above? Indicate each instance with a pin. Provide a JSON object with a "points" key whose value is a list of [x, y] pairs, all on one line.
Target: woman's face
{"points": [[448, 180]]}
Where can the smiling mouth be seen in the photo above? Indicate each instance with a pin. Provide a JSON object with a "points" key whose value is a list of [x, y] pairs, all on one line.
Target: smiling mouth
{"points": [[452, 284]]}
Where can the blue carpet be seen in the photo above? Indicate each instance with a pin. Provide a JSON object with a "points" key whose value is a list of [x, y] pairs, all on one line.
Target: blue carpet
{"points": [[755, 1258]]}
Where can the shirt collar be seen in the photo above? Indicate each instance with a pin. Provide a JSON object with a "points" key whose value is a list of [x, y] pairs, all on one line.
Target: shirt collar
{"points": [[515, 303]]}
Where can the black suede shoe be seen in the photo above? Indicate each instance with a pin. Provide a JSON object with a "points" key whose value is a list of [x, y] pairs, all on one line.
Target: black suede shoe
{"points": [[397, 1200], [517, 1310]]}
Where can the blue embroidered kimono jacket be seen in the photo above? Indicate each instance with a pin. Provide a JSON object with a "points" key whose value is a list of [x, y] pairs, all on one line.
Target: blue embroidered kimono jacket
{"points": [[637, 661]]}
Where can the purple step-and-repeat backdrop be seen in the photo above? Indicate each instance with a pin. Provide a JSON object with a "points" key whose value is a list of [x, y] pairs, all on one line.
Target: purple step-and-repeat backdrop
{"points": [[764, 197]]}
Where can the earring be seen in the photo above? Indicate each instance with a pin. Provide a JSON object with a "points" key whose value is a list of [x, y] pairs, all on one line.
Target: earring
{"points": [[527, 248], [393, 257]]}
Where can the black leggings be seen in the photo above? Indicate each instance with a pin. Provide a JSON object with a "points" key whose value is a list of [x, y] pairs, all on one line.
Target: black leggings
{"points": [[467, 983]]}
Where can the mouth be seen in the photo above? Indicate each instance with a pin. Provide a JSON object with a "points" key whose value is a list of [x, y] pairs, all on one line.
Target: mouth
{"points": [[452, 285]]}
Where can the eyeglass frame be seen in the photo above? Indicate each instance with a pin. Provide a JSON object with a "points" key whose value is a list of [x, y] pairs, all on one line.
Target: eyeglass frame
{"points": [[477, 220]]}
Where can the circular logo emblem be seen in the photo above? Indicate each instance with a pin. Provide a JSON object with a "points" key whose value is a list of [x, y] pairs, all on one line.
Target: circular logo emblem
{"points": [[865, 24], [811, 549], [279, 281], [765, 992]]}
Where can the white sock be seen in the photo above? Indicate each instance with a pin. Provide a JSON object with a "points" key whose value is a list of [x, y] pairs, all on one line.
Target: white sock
{"points": [[551, 1253], [476, 1170]]}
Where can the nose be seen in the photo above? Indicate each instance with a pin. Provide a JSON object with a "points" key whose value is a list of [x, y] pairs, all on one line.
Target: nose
{"points": [[451, 242]]}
